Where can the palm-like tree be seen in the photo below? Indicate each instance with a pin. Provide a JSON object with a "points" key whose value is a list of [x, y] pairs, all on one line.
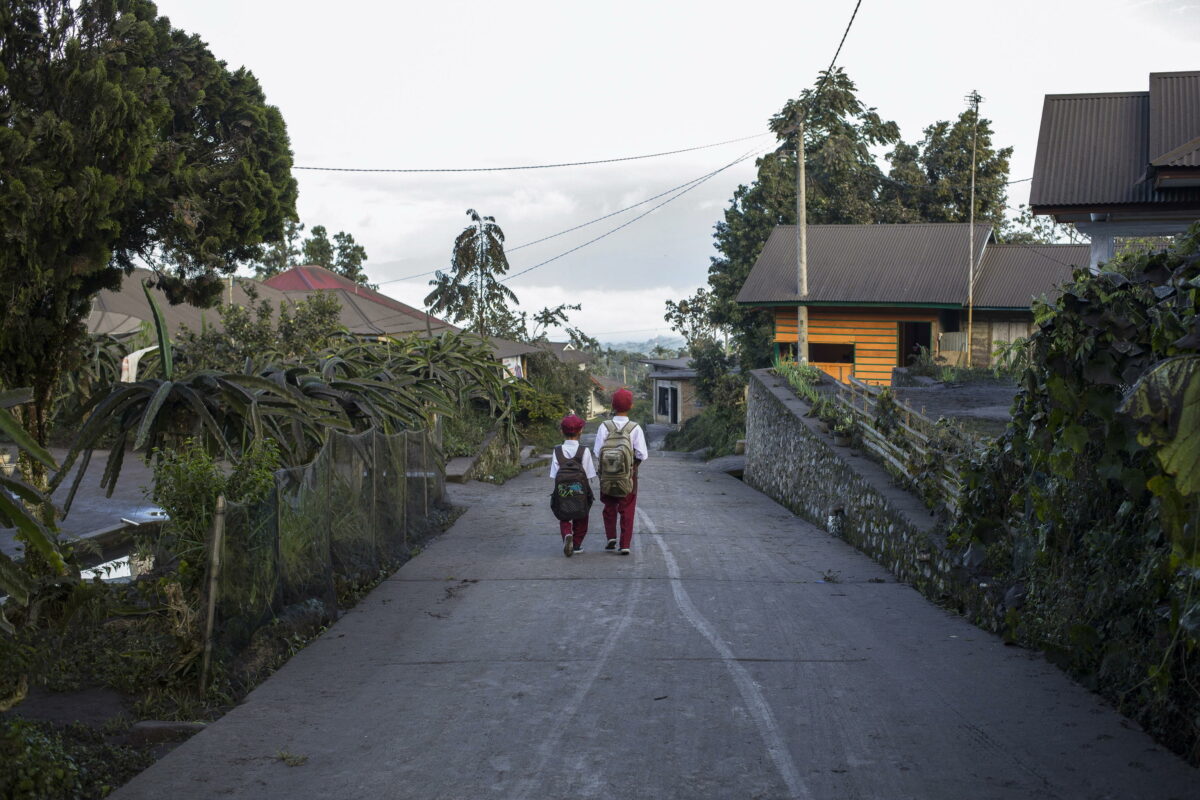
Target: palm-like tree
{"points": [[471, 288]]}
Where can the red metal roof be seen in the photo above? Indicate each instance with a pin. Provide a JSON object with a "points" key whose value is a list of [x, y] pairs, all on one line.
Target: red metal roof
{"points": [[312, 278]]}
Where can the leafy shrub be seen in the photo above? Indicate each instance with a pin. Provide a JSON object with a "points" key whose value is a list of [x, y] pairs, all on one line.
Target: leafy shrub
{"points": [[36, 767], [1087, 503], [537, 406], [463, 431]]}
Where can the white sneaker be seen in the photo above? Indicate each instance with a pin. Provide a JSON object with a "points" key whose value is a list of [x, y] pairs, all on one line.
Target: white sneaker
{"points": [[611, 545], [568, 546], [624, 551]]}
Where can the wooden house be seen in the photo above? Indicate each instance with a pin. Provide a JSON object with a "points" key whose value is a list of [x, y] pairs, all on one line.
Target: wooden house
{"points": [[879, 293]]}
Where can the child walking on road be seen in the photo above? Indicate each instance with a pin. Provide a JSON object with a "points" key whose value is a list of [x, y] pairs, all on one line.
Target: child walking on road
{"points": [[620, 449], [571, 469]]}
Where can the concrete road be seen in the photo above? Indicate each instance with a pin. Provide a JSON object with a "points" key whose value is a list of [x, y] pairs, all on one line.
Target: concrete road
{"points": [[92, 512], [738, 653]]}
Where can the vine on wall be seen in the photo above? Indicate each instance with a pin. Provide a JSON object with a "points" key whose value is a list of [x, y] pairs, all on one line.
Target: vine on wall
{"points": [[1089, 505]]}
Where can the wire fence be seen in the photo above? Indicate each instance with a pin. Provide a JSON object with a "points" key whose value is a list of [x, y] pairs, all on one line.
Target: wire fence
{"points": [[358, 508]]}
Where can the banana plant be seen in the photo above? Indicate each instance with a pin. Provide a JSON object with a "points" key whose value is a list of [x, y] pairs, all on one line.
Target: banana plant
{"points": [[22, 507]]}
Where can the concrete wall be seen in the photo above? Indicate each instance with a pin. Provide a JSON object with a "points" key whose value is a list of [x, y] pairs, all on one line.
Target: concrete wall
{"points": [[689, 403], [791, 460]]}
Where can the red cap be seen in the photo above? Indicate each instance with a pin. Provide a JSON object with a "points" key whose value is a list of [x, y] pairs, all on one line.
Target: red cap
{"points": [[622, 400], [571, 425]]}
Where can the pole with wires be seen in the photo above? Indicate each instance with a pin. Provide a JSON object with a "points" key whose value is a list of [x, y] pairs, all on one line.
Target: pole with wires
{"points": [[974, 99], [801, 247]]}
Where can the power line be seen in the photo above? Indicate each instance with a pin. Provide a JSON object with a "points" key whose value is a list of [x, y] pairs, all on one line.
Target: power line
{"points": [[687, 184], [738, 160], [606, 216], [537, 166], [836, 53]]}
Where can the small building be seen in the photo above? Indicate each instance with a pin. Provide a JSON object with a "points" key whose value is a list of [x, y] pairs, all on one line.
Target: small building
{"points": [[513, 355], [600, 398], [1121, 164], [880, 293], [673, 390]]}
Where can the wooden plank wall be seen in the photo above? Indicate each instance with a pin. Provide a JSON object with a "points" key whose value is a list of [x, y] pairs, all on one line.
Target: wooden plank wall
{"points": [[875, 334], [786, 324]]}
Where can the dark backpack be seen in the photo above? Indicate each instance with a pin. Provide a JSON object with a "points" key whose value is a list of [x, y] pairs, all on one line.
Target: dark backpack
{"points": [[572, 496]]}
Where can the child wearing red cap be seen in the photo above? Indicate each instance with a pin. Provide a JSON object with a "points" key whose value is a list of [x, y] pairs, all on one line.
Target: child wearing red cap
{"points": [[575, 464], [621, 505]]}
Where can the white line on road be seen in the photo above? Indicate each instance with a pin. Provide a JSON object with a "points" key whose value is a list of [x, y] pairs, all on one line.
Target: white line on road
{"points": [[553, 739], [751, 695]]}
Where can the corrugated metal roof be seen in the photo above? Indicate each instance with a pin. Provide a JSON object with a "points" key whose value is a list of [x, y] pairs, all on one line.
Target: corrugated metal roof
{"points": [[668, 363], [1186, 155], [124, 310], [1174, 110], [923, 263], [507, 348], [1094, 149], [311, 277], [1012, 275]]}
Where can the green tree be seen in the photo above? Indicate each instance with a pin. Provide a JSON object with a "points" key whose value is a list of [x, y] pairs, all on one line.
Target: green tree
{"points": [[349, 257], [471, 290], [317, 249], [282, 255], [1028, 228], [926, 182], [123, 140], [931, 181]]}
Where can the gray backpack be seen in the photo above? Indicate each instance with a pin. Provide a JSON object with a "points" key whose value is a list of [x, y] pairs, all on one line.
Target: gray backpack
{"points": [[616, 460]]}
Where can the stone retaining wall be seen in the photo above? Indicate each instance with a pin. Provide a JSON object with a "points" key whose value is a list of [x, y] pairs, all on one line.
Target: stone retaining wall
{"points": [[790, 459]]}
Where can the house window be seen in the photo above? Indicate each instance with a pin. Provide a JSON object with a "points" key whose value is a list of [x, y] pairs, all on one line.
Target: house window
{"points": [[830, 353]]}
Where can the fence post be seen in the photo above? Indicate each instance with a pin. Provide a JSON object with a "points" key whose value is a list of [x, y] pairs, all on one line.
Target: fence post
{"points": [[218, 535], [425, 472]]}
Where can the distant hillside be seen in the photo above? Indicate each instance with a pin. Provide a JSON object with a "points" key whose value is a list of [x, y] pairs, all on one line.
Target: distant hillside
{"points": [[672, 342]]}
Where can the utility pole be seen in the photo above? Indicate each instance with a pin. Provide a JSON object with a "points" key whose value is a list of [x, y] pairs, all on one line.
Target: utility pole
{"points": [[974, 99], [801, 246]]}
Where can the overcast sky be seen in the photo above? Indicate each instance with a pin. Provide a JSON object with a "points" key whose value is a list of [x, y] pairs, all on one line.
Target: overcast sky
{"points": [[453, 84]]}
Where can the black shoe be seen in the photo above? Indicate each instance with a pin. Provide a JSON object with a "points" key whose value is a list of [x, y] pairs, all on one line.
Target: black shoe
{"points": [[611, 545]]}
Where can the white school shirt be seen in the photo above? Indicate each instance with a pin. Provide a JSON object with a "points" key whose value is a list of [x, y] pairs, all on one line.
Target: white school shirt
{"points": [[570, 447], [636, 438]]}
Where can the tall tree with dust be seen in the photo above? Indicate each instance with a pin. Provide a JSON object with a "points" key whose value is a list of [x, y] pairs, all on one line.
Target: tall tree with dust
{"points": [[471, 290], [123, 142]]}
